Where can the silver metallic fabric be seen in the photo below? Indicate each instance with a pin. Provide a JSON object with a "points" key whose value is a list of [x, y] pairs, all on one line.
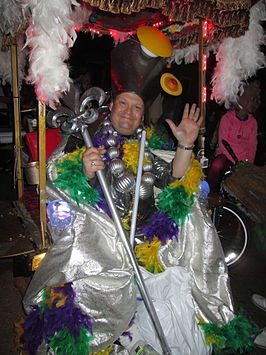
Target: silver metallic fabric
{"points": [[90, 255]]}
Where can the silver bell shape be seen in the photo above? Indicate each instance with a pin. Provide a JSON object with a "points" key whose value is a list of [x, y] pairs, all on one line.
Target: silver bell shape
{"points": [[148, 177], [108, 130], [145, 191], [116, 166], [148, 166], [125, 182], [113, 152], [111, 141], [106, 123], [148, 155]]}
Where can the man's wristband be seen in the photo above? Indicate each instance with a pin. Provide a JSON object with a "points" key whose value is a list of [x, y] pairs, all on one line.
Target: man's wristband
{"points": [[185, 147]]}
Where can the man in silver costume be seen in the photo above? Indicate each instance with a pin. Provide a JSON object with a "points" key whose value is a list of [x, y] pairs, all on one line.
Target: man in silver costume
{"points": [[127, 115], [90, 255]]}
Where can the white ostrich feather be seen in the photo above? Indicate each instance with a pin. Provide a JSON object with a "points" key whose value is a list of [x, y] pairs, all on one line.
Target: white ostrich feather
{"points": [[239, 58], [49, 36], [5, 63], [81, 14], [188, 54], [11, 16]]}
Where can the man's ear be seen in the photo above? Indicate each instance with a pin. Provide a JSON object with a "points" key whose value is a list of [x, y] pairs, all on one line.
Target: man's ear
{"points": [[111, 105]]}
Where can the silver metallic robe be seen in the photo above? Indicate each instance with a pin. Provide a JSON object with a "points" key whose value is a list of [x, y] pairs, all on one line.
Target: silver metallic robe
{"points": [[90, 255]]}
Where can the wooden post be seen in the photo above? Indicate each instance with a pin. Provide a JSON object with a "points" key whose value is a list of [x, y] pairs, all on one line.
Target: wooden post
{"points": [[17, 120], [202, 84], [42, 171]]}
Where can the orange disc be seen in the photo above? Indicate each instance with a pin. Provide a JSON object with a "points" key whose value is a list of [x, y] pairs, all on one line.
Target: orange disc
{"points": [[171, 84], [155, 41]]}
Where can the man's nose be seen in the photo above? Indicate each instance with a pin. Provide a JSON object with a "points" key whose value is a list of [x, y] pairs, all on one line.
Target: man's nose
{"points": [[128, 109]]}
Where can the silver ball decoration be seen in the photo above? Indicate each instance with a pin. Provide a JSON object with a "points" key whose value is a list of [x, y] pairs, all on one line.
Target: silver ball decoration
{"points": [[145, 191], [116, 166], [139, 130], [111, 141], [106, 123], [147, 166], [148, 155], [113, 152], [108, 130], [125, 182], [148, 178]]}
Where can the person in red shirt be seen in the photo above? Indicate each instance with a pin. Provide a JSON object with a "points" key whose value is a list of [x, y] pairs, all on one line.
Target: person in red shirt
{"points": [[239, 128]]}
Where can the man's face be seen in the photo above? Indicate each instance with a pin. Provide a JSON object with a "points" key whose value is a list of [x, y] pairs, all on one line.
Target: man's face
{"points": [[127, 113]]}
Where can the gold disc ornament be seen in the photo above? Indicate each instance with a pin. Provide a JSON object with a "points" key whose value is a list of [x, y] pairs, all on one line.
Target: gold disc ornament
{"points": [[154, 42], [170, 84]]}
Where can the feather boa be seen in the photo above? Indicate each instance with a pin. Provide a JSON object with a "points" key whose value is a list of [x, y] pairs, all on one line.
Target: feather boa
{"points": [[234, 336], [58, 322], [173, 203], [188, 54], [49, 36], [5, 63], [239, 58], [11, 16]]}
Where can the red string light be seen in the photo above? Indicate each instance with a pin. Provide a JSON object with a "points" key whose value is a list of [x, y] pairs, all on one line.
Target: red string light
{"points": [[204, 94]]}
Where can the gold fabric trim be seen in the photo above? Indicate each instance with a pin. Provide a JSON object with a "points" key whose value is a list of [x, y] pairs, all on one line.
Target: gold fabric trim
{"points": [[231, 18]]}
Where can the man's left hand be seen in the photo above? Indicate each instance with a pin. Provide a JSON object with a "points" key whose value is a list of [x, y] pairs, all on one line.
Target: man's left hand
{"points": [[187, 131]]}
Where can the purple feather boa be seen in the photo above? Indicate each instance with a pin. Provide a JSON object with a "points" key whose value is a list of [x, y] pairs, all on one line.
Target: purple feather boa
{"points": [[42, 325], [161, 226]]}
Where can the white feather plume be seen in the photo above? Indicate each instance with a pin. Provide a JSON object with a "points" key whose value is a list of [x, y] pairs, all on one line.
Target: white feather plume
{"points": [[11, 16], [49, 36], [188, 54], [81, 14], [239, 58], [5, 63]]}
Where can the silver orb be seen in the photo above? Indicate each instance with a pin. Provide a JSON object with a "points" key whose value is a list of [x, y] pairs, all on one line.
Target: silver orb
{"points": [[145, 191], [116, 166], [111, 141], [139, 130], [148, 155], [106, 123], [148, 166], [113, 152], [149, 178], [125, 182]]}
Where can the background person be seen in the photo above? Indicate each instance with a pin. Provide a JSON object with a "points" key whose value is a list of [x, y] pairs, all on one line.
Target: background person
{"points": [[239, 128]]}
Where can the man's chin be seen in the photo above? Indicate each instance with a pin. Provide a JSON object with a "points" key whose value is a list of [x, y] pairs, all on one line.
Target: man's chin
{"points": [[127, 131]]}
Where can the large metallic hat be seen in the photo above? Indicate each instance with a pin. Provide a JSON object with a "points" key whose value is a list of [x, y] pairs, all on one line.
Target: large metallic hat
{"points": [[135, 68]]}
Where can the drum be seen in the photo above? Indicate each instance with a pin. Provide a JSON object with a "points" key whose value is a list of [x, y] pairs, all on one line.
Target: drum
{"points": [[247, 184]]}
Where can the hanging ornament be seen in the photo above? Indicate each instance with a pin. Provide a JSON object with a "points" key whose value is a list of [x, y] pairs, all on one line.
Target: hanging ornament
{"points": [[116, 166], [145, 191], [148, 178], [113, 152], [125, 182]]}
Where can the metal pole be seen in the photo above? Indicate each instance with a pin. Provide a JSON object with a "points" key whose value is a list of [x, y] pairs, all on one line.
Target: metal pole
{"points": [[202, 85], [142, 288], [138, 181], [17, 120]]}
